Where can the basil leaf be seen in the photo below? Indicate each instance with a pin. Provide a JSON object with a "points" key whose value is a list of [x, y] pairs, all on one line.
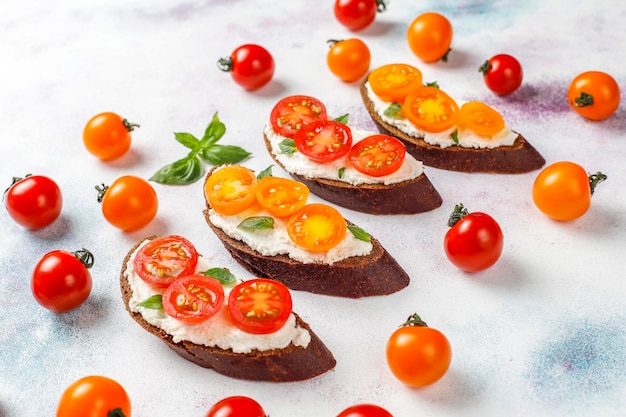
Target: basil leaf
{"points": [[341, 171], [287, 146], [214, 131], [394, 111], [359, 233], [154, 302], [267, 172], [223, 275], [342, 119], [257, 222], [188, 140], [433, 84], [455, 136], [223, 154], [182, 172]]}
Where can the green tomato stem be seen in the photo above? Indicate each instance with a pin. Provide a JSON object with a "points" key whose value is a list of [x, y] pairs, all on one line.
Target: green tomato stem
{"points": [[381, 6], [102, 189], [129, 125], [459, 212], [414, 320], [85, 257], [225, 64], [583, 100], [595, 179]]}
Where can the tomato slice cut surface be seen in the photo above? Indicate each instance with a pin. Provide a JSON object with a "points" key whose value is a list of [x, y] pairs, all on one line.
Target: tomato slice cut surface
{"points": [[431, 109], [324, 140], [260, 305], [317, 227], [281, 197], [162, 260], [480, 118], [230, 190], [377, 155], [393, 82], [193, 298], [293, 112]]}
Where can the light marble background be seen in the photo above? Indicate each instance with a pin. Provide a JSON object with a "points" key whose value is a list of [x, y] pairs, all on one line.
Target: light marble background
{"points": [[541, 333]]}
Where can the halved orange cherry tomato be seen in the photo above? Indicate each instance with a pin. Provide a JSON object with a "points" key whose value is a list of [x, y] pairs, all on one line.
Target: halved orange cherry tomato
{"points": [[260, 305], [162, 260], [281, 196], [480, 118], [193, 298], [377, 155], [317, 227], [230, 190], [431, 109], [393, 82], [293, 112], [324, 140]]}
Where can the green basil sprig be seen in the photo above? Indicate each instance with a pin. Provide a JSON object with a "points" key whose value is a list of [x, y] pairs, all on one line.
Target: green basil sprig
{"points": [[190, 168]]}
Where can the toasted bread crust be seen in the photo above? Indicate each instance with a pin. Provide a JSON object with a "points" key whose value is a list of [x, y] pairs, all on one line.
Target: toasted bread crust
{"points": [[359, 276], [408, 197], [518, 158], [293, 363]]}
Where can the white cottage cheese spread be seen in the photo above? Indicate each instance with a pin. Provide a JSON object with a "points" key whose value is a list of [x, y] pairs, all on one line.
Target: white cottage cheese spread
{"points": [[300, 164], [467, 139], [217, 331]]}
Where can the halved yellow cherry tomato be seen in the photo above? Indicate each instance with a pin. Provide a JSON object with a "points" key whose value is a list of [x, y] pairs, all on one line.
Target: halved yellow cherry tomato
{"points": [[230, 190], [281, 196], [317, 227], [480, 118], [431, 109], [392, 82]]}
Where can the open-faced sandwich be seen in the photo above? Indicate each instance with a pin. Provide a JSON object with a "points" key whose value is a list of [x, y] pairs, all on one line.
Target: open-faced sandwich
{"points": [[268, 226], [470, 137], [241, 329], [363, 171]]}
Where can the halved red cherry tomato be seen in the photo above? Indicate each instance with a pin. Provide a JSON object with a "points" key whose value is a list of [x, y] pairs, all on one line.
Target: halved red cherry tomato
{"points": [[431, 109], [418, 355], [160, 261], [281, 196], [393, 82], [430, 36], [230, 190], [480, 118], [324, 140], [594, 95], [193, 298], [293, 112], [260, 305], [34, 201], [377, 155], [317, 227]]}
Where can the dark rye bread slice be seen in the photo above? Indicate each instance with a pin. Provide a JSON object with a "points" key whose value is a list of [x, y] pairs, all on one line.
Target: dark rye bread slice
{"points": [[378, 273], [518, 158], [293, 363], [409, 197]]}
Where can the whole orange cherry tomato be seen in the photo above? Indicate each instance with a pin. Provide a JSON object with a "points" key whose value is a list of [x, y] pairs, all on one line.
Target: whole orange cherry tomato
{"points": [[94, 396], [418, 355], [348, 59], [129, 203], [563, 190], [594, 95], [430, 37], [107, 136]]}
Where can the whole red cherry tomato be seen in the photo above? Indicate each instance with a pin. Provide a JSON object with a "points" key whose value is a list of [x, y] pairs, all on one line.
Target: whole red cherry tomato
{"points": [[250, 65], [418, 355], [357, 14], [34, 201], [107, 136], [594, 95], [502, 74], [61, 280], [365, 410], [130, 203], [236, 406], [474, 241], [94, 396]]}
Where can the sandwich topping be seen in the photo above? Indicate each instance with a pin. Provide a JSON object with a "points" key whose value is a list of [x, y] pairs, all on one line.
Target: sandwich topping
{"points": [[209, 307]]}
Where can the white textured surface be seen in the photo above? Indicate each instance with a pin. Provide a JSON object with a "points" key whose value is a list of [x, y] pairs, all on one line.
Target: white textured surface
{"points": [[541, 333]]}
